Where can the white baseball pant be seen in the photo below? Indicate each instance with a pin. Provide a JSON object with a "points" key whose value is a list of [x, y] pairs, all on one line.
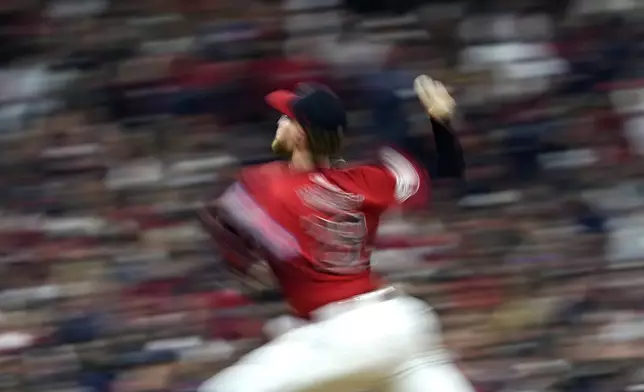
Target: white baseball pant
{"points": [[366, 344]]}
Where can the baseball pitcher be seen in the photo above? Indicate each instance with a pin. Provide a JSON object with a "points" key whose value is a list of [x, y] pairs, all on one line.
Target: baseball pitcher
{"points": [[314, 225]]}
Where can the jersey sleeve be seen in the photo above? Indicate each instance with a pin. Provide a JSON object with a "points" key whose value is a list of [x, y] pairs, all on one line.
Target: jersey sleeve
{"points": [[242, 210], [410, 179], [395, 178], [229, 239]]}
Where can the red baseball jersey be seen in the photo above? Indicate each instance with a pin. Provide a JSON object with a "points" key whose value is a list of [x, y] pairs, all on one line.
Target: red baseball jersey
{"points": [[317, 229]]}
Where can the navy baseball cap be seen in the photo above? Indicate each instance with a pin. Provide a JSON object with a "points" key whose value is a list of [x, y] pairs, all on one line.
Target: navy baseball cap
{"points": [[314, 106]]}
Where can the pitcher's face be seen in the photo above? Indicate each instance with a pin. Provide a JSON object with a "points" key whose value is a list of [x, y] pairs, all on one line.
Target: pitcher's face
{"points": [[286, 136]]}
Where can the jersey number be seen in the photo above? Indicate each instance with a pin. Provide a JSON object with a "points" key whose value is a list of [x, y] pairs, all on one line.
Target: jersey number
{"points": [[339, 242]]}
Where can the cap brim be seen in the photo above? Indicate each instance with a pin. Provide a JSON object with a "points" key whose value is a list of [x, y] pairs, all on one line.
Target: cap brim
{"points": [[282, 101]]}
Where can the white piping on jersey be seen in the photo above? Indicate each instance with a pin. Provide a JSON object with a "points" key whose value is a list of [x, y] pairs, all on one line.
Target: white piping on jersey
{"points": [[327, 196], [322, 181], [407, 178], [251, 217]]}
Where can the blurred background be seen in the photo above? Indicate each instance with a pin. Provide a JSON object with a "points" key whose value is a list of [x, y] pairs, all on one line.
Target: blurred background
{"points": [[118, 116]]}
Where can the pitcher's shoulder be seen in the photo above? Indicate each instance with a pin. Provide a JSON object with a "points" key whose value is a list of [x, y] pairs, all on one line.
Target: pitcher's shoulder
{"points": [[391, 178]]}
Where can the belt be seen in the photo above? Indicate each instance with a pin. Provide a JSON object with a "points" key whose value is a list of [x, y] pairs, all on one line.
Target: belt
{"points": [[372, 297]]}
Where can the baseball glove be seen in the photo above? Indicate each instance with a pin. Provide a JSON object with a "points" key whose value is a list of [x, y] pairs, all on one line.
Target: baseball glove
{"points": [[438, 103]]}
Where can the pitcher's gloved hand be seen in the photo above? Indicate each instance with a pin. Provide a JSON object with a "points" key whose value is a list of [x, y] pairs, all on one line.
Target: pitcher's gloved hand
{"points": [[434, 96]]}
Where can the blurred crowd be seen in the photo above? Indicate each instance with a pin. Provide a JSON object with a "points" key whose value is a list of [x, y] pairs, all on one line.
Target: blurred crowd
{"points": [[117, 117]]}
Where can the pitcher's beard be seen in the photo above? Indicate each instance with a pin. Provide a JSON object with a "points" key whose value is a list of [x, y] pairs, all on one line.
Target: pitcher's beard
{"points": [[280, 149]]}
